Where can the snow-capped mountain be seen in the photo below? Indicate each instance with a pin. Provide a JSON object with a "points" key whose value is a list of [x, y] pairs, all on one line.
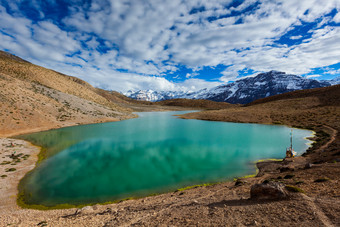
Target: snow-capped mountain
{"points": [[263, 85], [242, 91], [153, 96], [334, 81]]}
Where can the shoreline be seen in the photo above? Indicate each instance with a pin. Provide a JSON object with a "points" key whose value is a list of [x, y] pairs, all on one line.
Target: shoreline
{"points": [[70, 124], [14, 169], [257, 170], [14, 208]]}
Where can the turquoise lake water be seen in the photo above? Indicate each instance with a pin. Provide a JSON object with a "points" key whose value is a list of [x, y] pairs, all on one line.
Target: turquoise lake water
{"points": [[154, 153]]}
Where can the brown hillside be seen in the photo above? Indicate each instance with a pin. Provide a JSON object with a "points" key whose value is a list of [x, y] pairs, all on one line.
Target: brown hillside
{"points": [[196, 104], [23, 70], [34, 98], [117, 97], [328, 96]]}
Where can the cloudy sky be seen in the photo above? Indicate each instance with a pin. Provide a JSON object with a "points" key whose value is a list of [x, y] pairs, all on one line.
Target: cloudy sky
{"points": [[173, 44]]}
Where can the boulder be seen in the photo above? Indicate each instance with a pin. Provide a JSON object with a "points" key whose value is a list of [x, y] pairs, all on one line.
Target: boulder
{"points": [[239, 182], [271, 191], [308, 165], [285, 169], [84, 210]]}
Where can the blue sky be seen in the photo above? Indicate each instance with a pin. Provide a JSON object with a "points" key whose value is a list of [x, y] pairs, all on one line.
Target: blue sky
{"points": [[174, 44]]}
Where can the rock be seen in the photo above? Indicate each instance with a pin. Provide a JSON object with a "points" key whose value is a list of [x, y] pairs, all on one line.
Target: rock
{"points": [[85, 210], [239, 182], [265, 181], [308, 165], [270, 190], [285, 169], [289, 176]]}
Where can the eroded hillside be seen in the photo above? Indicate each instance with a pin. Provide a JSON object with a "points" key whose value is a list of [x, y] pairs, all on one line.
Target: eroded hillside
{"points": [[34, 98]]}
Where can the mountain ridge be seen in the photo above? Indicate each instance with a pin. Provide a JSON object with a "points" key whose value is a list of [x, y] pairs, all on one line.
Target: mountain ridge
{"points": [[242, 91]]}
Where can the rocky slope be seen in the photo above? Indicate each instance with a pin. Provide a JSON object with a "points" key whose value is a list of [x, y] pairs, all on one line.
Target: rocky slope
{"points": [[34, 98], [263, 85], [154, 96], [242, 91], [195, 104]]}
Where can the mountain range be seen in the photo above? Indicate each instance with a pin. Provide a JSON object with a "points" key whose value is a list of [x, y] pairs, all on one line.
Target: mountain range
{"points": [[242, 91]]}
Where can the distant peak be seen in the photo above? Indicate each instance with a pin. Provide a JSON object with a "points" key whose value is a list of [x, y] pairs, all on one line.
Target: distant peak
{"points": [[276, 72], [272, 73]]}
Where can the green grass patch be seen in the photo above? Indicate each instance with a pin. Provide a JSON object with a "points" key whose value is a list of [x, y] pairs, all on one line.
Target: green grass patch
{"points": [[322, 180], [10, 170], [42, 154], [195, 186], [270, 159], [26, 156], [247, 176], [5, 162], [292, 188], [3, 176], [22, 204]]}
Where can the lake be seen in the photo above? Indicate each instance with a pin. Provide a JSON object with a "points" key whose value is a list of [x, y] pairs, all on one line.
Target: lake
{"points": [[154, 153]]}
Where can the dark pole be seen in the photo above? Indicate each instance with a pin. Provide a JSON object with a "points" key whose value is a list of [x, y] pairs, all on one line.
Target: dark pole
{"points": [[291, 140]]}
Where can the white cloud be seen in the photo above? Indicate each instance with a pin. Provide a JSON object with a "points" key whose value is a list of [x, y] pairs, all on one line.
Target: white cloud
{"points": [[153, 38], [114, 80], [313, 76], [336, 18], [190, 75], [332, 71], [194, 84], [231, 73], [296, 37], [44, 40]]}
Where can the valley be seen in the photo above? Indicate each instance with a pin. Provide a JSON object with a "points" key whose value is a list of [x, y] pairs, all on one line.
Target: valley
{"points": [[35, 99]]}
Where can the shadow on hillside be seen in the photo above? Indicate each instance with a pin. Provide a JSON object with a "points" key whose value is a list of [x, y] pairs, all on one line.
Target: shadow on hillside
{"points": [[240, 202]]}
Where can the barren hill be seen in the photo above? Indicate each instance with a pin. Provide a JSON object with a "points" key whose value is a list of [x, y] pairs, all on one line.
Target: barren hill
{"points": [[328, 96], [196, 103], [34, 98]]}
